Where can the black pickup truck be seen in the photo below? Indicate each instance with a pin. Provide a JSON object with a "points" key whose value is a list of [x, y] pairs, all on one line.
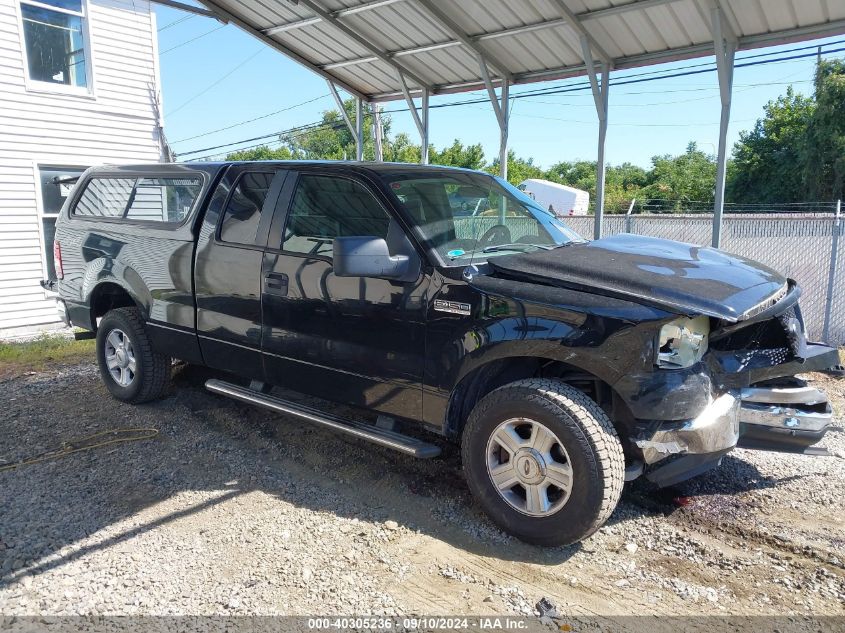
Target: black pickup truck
{"points": [[563, 367]]}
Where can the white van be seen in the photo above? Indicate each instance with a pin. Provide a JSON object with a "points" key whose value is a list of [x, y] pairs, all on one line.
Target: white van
{"points": [[559, 199]]}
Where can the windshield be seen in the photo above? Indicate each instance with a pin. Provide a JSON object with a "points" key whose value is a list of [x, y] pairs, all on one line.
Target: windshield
{"points": [[470, 217]]}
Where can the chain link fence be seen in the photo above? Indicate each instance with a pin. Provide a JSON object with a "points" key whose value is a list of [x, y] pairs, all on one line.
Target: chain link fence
{"points": [[806, 247]]}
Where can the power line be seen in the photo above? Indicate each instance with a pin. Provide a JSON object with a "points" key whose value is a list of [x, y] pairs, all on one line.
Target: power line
{"points": [[544, 91], [384, 111], [218, 81], [622, 82], [258, 118], [275, 112], [624, 124], [175, 22], [193, 39], [318, 125], [293, 133], [737, 89], [563, 90], [267, 144], [642, 78], [308, 127]]}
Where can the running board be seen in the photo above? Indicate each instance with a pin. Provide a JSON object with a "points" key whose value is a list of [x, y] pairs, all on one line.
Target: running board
{"points": [[376, 435]]}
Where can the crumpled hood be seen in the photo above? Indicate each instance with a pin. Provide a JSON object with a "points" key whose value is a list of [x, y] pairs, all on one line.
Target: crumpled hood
{"points": [[682, 278]]}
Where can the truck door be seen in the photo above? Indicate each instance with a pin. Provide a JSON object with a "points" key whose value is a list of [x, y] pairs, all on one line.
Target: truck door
{"points": [[227, 268], [354, 340]]}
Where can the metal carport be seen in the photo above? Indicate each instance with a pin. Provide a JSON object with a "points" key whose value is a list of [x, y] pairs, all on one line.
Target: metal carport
{"points": [[381, 50]]}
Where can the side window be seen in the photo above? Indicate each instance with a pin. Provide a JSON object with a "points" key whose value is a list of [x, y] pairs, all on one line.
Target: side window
{"points": [[105, 197], [325, 207], [243, 211], [56, 47], [150, 199], [163, 199]]}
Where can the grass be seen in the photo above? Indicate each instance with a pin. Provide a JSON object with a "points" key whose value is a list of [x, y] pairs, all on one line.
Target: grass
{"points": [[41, 353]]}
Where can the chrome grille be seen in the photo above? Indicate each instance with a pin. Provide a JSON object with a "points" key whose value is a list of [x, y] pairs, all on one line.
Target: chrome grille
{"points": [[765, 305]]}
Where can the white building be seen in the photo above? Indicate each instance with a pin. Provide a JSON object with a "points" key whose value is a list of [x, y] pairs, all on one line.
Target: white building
{"points": [[79, 86]]}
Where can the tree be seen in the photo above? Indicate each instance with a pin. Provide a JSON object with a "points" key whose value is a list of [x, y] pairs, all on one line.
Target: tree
{"points": [[261, 153], [796, 152], [471, 156], [769, 161], [519, 169], [677, 181], [580, 174], [401, 149], [331, 139], [627, 176], [622, 183], [825, 158]]}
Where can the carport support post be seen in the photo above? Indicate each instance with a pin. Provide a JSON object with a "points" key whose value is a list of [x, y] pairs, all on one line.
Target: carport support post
{"points": [[501, 110], [421, 123], [424, 133], [359, 130], [503, 131], [377, 132], [355, 130], [601, 108], [601, 97], [725, 44], [831, 275]]}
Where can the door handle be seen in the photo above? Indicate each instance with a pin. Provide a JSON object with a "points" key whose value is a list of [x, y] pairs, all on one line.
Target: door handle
{"points": [[276, 284]]}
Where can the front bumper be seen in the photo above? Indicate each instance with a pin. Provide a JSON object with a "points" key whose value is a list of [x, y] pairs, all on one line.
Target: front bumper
{"points": [[788, 419], [785, 416], [714, 430]]}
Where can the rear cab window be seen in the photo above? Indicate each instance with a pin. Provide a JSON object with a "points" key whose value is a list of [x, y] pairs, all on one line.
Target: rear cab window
{"points": [[243, 210], [163, 199]]}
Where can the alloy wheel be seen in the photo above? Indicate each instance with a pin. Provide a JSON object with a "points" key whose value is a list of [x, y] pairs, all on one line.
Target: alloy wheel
{"points": [[529, 467], [120, 358]]}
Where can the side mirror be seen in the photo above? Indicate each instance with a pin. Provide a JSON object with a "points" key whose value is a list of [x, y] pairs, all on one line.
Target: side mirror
{"points": [[369, 256]]}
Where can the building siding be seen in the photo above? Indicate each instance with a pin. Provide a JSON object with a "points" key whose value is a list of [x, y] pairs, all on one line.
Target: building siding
{"points": [[116, 123]]}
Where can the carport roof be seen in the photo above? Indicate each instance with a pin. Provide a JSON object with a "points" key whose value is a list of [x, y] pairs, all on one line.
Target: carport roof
{"points": [[362, 46]]}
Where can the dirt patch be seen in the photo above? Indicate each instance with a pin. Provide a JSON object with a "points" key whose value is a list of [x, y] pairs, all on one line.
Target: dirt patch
{"points": [[231, 510]]}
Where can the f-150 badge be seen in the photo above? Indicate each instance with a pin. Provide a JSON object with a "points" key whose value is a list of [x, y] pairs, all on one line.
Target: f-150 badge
{"points": [[453, 307]]}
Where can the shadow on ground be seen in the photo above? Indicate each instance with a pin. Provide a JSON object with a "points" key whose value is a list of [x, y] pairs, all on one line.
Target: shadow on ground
{"points": [[209, 443], [206, 443]]}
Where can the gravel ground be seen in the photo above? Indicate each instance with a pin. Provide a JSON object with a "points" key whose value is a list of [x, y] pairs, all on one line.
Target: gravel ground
{"points": [[230, 510]]}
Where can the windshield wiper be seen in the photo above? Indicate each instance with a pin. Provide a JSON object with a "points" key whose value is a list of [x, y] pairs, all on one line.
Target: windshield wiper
{"points": [[520, 246]]}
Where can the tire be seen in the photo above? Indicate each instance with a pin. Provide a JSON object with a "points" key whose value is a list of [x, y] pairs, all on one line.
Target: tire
{"points": [[585, 457], [130, 369]]}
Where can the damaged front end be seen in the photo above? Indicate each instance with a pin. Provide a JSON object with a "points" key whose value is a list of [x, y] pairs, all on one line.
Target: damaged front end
{"points": [[756, 401], [789, 416]]}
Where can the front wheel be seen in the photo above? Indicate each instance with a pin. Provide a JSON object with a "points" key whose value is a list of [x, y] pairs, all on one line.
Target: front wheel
{"points": [[544, 461], [131, 370]]}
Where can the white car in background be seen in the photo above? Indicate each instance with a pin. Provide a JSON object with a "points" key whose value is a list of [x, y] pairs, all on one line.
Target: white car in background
{"points": [[556, 198]]}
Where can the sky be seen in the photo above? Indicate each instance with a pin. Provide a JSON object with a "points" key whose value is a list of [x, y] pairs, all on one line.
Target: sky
{"points": [[216, 76]]}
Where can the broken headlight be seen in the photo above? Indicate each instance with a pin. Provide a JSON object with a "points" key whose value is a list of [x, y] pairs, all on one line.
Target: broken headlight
{"points": [[682, 342]]}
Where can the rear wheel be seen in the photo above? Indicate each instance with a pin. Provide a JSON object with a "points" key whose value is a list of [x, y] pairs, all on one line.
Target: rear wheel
{"points": [[544, 461], [131, 370]]}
